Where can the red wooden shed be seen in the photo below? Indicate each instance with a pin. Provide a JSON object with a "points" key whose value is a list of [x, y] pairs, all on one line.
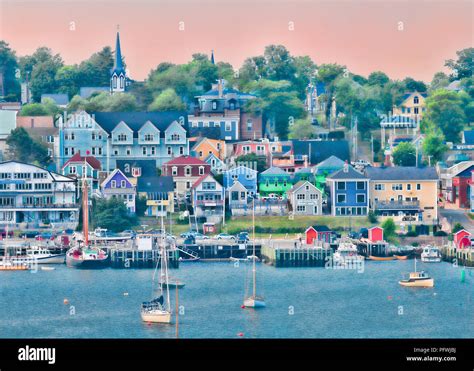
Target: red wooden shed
{"points": [[459, 235], [376, 234], [464, 242], [318, 233]]}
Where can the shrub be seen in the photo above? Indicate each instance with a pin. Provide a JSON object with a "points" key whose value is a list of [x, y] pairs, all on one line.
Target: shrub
{"points": [[440, 234]]}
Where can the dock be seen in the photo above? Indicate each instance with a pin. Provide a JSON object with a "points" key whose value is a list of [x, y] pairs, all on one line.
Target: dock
{"points": [[463, 257], [209, 251], [133, 258], [288, 254]]}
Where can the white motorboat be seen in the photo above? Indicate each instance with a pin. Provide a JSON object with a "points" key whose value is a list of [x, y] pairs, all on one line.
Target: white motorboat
{"points": [[430, 254], [346, 254], [41, 255], [417, 279]]}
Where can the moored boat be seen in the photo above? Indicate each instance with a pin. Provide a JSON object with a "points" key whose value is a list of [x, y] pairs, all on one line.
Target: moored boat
{"points": [[430, 254], [347, 254], [418, 279], [40, 255], [382, 258], [401, 257]]}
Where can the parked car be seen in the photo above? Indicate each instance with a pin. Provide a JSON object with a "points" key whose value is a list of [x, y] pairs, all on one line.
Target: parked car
{"points": [[27, 234], [195, 235], [225, 236], [3, 233], [243, 237]]}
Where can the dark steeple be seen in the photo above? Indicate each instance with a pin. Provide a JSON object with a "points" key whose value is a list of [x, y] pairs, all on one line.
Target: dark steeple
{"points": [[118, 65], [212, 56]]}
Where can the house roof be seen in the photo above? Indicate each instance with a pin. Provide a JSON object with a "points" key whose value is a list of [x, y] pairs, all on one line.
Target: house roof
{"points": [[77, 158], [158, 184], [237, 168], [299, 184], [135, 120], [408, 94], [351, 173], [186, 160], [401, 173], [86, 91], [330, 162], [59, 99], [201, 179], [468, 137], [148, 167], [320, 150], [275, 171], [111, 175], [208, 132], [320, 228]]}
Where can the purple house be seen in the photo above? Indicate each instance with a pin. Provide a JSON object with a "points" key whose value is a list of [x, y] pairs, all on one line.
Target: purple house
{"points": [[117, 185]]}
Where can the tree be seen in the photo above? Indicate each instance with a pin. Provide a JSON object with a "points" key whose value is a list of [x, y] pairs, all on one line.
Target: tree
{"points": [[23, 148], [463, 66], [433, 145], [377, 78], [47, 108], [328, 74], [457, 227], [404, 154], [95, 71], [140, 205], [168, 100], [251, 160], [443, 109], [302, 129], [112, 214], [68, 80], [389, 229], [413, 85], [9, 67], [440, 80]]}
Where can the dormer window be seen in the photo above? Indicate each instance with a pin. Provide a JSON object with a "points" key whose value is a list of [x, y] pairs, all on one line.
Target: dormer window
{"points": [[201, 170], [175, 137], [174, 171], [416, 100], [232, 105], [148, 137], [122, 137], [214, 105]]}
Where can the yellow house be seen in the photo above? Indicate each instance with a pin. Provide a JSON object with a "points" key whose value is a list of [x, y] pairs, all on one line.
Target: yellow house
{"points": [[203, 147], [412, 106], [407, 194], [159, 194]]}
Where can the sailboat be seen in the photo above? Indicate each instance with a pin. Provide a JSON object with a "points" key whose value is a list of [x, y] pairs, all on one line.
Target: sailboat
{"points": [[85, 255], [158, 310], [254, 300], [418, 279]]}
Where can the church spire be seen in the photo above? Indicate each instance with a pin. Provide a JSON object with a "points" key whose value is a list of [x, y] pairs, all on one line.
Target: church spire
{"points": [[118, 65], [118, 78], [212, 56]]}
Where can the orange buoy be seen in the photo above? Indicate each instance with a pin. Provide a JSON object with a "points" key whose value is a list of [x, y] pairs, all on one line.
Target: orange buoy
{"points": [[240, 334], [242, 306], [65, 301]]}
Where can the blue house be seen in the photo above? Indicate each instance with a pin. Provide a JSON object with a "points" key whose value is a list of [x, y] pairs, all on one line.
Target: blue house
{"points": [[112, 136], [349, 192], [244, 175], [118, 186]]}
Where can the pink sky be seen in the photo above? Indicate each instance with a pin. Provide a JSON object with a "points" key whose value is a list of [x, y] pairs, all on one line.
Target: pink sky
{"points": [[363, 35]]}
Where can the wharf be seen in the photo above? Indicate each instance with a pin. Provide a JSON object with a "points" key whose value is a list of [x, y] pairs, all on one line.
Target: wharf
{"points": [[463, 257], [280, 253]]}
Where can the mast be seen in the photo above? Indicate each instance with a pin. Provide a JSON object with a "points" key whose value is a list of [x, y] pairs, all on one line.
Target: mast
{"points": [[254, 269], [85, 207], [165, 264]]}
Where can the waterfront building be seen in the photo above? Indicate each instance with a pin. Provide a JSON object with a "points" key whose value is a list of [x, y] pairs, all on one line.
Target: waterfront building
{"points": [[112, 136], [274, 181], [159, 194], [318, 233], [237, 195], [305, 199], [349, 191], [31, 197], [208, 198], [118, 186], [263, 148], [222, 108], [457, 183], [185, 170], [80, 167], [404, 193], [246, 176]]}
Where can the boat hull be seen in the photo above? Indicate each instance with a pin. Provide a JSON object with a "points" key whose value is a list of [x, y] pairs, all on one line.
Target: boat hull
{"points": [[52, 259], [401, 257], [156, 316], [86, 264], [254, 303], [431, 259], [381, 258], [418, 283]]}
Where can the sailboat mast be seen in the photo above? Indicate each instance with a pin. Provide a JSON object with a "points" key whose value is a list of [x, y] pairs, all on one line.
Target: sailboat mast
{"points": [[85, 207], [254, 270], [165, 263]]}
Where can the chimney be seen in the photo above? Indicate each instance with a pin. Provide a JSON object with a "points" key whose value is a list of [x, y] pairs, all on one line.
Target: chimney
{"points": [[220, 87], [305, 161], [346, 167]]}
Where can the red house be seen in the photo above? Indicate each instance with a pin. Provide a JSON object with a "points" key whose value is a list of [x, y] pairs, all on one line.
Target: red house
{"points": [[459, 235], [458, 189], [376, 234], [185, 170], [318, 233]]}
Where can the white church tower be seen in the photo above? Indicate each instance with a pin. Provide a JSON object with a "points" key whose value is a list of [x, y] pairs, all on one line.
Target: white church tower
{"points": [[118, 78]]}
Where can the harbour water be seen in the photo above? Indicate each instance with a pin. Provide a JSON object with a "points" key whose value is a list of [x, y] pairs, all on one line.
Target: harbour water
{"points": [[301, 303]]}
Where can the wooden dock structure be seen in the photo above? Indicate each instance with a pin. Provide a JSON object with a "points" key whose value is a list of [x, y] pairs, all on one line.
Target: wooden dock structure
{"points": [[282, 254], [463, 257], [217, 251], [134, 258]]}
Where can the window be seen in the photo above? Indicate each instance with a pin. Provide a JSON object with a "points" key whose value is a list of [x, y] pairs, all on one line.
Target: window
{"points": [[228, 126], [301, 208], [300, 196], [249, 125], [340, 186], [153, 150], [360, 198], [175, 137], [169, 151], [148, 137], [116, 152], [313, 196], [415, 110], [128, 151], [122, 137], [232, 105], [72, 170], [397, 187], [360, 185], [214, 105], [200, 153], [416, 100], [188, 171], [418, 187], [408, 187], [201, 170], [144, 150], [121, 82], [122, 184], [73, 136], [379, 187], [115, 82], [113, 184], [181, 150], [341, 198], [174, 171]]}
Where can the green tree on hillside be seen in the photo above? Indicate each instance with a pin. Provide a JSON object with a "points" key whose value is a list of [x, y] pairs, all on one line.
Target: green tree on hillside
{"points": [[22, 147], [404, 154], [168, 100]]}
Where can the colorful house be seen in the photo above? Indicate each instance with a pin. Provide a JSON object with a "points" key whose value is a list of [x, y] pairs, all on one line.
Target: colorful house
{"points": [[244, 175], [404, 192], [274, 180], [159, 194], [305, 199], [457, 183], [185, 170], [237, 195], [263, 148], [318, 233], [412, 106], [118, 186], [208, 198], [87, 166], [223, 109], [203, 147], [217, 165], [349, 192]]}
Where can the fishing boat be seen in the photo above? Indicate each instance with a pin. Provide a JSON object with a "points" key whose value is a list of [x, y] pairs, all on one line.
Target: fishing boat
{"points": [[83, 254], [347, 254], [401, 257], [158, 310], [430, 254], [254, 300], [8, 265], [41, 255], [382, 258], [418, 279]]}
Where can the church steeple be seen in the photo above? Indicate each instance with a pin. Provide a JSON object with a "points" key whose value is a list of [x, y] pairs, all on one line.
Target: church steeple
{"points": [[212, 56], [118, 77]]}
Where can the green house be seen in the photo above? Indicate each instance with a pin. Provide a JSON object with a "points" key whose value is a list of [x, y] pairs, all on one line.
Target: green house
{"points": [[326, 168], [274, 180]]}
